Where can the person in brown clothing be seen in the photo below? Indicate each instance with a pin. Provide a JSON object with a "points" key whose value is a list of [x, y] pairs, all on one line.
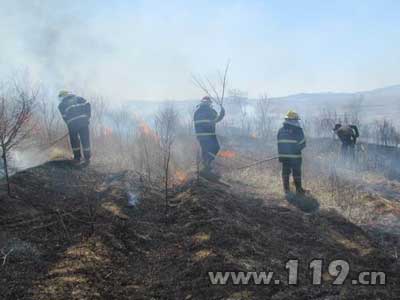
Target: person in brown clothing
{"points": [[348, 135]]}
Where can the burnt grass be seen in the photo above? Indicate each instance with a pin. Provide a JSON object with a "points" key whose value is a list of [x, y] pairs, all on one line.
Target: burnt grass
{"points": [[69, 233]]}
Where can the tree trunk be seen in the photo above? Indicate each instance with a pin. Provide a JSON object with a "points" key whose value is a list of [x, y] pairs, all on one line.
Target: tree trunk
{"points": [[5, 166], [167, 181]]}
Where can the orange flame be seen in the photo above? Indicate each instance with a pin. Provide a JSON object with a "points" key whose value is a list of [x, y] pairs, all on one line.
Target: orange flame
{"points": [[180, 176], [145, 129], [227, 154]]}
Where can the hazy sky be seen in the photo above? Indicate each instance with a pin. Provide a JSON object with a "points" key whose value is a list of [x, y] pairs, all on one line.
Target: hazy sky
{"points": [[148, 49]]}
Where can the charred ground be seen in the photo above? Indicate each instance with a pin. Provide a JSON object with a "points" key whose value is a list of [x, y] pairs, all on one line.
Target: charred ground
{"points": [[70, 234]]}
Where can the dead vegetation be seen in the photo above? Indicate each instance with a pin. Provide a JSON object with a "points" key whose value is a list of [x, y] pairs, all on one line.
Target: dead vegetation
{"points": [[16, 107], [70, 234]]}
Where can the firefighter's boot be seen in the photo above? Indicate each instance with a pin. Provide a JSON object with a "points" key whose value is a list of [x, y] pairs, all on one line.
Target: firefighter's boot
{"points": [[77, 157], [298, 185], [87, 155], [286, 184]]}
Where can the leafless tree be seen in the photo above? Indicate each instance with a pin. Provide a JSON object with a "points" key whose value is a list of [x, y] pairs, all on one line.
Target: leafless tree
{"points": [[306, 124], [16, 107], [354, 109], [386, 133], [99, 111], [325, 122], [166, 122], [49, 118], [368, 132], [120, 119], [147, 151], [239, 101], [123, 129], [210, 88], [263, 117]]}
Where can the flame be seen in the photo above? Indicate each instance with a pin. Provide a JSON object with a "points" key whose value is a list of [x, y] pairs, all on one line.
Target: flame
{"points": [[143, 128], [227, 154], [180, 176], [146, 130]]}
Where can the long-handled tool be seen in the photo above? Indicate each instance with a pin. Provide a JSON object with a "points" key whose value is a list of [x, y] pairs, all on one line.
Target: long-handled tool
{"points": [[55, 142], [252, 164], [257, 163]]}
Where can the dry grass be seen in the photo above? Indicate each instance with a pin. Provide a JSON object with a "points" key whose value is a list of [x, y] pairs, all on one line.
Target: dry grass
{"points": [[356, 192], [111, 251]]}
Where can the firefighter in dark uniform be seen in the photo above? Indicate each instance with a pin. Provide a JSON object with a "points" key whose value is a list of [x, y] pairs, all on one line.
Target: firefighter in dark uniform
{"points": [[348, 135], [291, 142], [76, 112], [205, 119]]}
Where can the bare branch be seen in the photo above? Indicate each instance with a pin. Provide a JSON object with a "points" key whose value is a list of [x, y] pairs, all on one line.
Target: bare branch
{"points": [[210, 89], [166, 122], [224, 81], [5, 256], [212, 86], [199, 83], [16, 107]]}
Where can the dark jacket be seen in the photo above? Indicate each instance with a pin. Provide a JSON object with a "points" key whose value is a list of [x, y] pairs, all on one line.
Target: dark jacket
{"points": [[205, 118], [348, 134], [291, 142], [75, 111]]}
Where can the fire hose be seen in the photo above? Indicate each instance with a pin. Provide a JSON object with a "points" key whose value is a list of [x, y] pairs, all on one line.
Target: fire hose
{"points": [[257, 163], [252, 164], [55, 142]]}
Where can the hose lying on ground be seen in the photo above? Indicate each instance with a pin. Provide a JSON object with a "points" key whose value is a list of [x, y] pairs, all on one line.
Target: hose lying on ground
{"points": [[257, 163], [252, 164], [55, 142]]}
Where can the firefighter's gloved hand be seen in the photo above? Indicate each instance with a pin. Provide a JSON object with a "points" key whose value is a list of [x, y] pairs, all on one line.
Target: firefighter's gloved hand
{"points": [[221, 114]]}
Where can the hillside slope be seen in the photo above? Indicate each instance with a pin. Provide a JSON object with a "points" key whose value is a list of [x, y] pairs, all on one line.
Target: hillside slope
{"points": [[70, 234], [375, 104]]}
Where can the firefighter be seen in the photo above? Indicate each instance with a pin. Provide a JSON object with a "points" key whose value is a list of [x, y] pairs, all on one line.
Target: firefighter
{"points": [[291, 142], [76, 113], [348, 135], [205, 119]]}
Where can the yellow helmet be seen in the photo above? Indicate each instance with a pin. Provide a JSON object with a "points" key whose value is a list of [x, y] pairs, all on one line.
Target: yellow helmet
{"points": [[292, 115], [63, 93]]}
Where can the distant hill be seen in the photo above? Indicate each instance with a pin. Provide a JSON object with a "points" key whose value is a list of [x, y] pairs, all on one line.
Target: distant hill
{"points": [[378, 103], [373, 104]]}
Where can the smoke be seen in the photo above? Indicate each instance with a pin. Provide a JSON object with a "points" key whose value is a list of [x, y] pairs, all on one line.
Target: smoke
{"points": [[93, 48], [148, 49], [51, 40], [25, 159]]}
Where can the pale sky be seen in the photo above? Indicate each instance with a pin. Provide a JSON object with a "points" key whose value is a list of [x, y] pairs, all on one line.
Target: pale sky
{"points": [[149, 49]]}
